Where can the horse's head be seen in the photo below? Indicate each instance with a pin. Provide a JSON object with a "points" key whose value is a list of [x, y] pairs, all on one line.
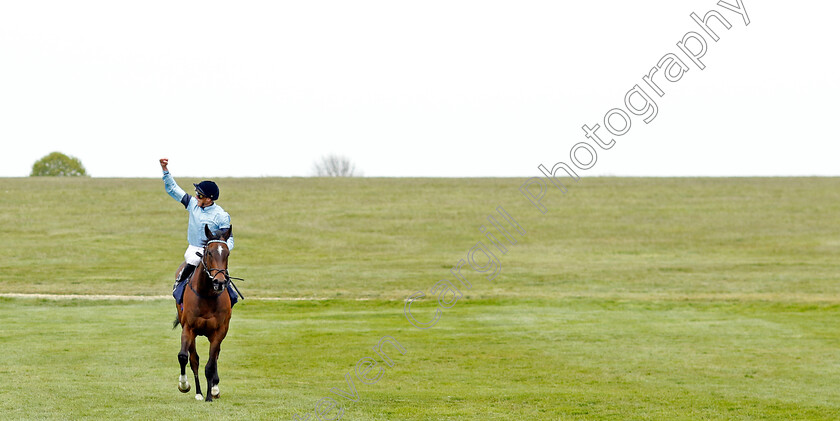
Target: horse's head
{"points": [[215, 258]]}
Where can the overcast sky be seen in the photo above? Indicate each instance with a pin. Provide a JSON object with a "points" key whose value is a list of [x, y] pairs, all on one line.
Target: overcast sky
{"points": [[434, 88]]}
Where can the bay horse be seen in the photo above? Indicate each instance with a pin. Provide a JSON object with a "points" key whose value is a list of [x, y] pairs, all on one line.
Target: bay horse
{"points": [[206, 311]]}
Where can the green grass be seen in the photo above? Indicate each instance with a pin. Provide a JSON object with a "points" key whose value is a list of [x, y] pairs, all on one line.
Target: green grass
{"points": [[630, 299]]}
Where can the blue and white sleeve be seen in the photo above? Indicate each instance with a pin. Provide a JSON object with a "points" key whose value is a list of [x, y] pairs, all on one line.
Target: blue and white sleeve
{"points": [[224, 223], [174, 190]]}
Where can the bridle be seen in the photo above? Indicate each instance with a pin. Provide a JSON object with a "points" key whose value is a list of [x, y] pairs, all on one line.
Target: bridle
{"points": [[218, 286], [213, 272]]}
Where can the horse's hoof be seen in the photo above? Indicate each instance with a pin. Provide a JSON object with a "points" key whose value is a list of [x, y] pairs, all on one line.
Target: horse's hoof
{"points": [[184, 389], [214, 392], [183, 384], [198, 397]]}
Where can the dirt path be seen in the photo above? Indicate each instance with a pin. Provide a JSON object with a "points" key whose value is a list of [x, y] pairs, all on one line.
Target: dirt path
{"points": [[93, 297]]}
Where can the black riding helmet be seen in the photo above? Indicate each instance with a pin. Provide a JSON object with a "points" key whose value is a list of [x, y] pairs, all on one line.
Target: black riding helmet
{"points": [[207, 188]]}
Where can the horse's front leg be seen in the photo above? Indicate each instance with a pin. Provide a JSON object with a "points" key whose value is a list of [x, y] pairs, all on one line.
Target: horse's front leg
{"points": [[194, 367], [187, 338], [211, 370]]}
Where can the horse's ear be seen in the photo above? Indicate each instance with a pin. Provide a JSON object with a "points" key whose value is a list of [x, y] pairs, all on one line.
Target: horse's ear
{"points": [[227, 233], [207, 232]]}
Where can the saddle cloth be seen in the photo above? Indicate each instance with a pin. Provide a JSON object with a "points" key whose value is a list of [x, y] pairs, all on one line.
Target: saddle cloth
{"points": [[178, 292]]}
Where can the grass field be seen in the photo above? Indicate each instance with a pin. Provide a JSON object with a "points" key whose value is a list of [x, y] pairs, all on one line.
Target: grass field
{"points": [[629, 299]]}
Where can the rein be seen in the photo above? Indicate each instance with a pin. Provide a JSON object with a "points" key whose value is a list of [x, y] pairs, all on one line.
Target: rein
{"points": [[189, 284], [210, 275]]}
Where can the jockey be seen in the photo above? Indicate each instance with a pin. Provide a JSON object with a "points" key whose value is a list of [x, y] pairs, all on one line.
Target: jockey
{"points": [[202, 210]]}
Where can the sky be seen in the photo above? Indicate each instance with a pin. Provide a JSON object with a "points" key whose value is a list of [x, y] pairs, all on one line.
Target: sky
{"points": [[417, 89]]}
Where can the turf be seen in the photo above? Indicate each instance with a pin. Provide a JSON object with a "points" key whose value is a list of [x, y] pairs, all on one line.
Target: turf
{"points": [[629, 299]]}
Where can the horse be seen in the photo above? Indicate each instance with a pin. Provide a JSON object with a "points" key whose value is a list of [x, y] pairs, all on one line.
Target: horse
{"points": [[206, 311]]}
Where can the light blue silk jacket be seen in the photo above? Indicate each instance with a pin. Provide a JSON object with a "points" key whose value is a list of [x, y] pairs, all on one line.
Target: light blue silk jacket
{"points": [[213, 216]]}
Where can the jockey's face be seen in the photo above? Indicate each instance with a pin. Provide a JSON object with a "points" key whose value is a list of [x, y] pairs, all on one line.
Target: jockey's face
{"points": [[203, 201]]}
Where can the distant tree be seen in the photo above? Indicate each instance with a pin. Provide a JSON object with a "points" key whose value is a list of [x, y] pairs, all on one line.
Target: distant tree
{"points": [[58, 164], [335, 166]]}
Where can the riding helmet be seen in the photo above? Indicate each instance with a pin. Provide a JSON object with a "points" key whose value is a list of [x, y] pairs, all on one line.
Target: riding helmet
{"points": [[207, 188]]}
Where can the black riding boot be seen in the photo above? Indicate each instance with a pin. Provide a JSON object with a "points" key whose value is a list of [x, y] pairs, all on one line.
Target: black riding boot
{"points": [[185, 274]]}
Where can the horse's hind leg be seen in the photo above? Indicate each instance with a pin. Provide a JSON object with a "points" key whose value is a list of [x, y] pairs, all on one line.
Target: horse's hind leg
{"points": [[194, 367], [177, 316]]}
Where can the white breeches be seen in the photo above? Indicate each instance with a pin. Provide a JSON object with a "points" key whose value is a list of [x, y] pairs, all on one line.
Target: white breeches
{"points": [[190, 257]]}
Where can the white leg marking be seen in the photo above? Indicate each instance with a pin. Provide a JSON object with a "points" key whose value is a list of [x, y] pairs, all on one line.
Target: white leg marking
{"points": [[198, 397]]}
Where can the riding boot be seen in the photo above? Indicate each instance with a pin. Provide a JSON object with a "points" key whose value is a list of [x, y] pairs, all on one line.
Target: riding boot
{"points": [[185, 274]]}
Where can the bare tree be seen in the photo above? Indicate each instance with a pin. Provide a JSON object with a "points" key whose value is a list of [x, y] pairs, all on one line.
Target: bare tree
{"points": [[335, 166]]}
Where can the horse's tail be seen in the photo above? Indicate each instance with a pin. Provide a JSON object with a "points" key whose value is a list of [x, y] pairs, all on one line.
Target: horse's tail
{"points": [[176, 322]]}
